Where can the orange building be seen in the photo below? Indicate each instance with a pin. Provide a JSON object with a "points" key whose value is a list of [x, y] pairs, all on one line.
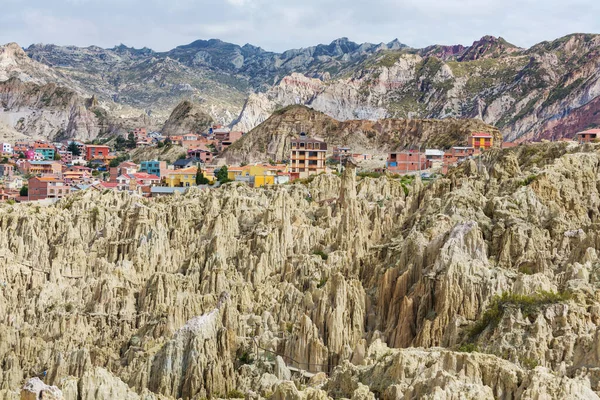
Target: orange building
{"points": [[481, 140], [96, 152], [407, 161]]}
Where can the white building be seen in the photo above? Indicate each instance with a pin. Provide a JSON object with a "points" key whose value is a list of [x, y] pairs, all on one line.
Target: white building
{"points": [[7, 148]]}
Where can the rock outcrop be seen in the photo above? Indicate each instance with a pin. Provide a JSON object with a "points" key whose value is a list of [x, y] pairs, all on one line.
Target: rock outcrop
{"points": [[479, 284], [186, 118]]}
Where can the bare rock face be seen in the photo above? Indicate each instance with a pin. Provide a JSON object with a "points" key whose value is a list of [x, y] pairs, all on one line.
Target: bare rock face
{"points": [[35, 389], [186, 118], [473, 285]]}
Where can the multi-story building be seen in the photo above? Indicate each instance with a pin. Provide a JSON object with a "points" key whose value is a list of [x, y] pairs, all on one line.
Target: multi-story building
{"points": [[40, 167], [140, 134], [481, 140], [46, 150], [7, 148], [181, 177], [407, 161], [47, 187], [307, 156], [131, 182], [96, 152], [154, 167], [6, 170], [202, 154]]}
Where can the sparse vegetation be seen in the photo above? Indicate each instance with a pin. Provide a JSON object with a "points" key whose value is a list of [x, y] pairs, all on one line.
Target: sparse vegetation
{"points": [[321, 254], [528, 304]]}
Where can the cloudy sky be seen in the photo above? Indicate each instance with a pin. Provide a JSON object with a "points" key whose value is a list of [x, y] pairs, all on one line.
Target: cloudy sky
{"points": [[283, 24]]}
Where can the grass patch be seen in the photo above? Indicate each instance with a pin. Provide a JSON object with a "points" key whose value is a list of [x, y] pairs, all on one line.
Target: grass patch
{"points": [[468, 348], [235, 394], [322, 283], [321, 254], [528, 180], [528, 304]]}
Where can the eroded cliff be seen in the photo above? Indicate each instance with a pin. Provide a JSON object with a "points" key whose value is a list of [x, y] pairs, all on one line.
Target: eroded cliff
{"points": [[479, 284]]}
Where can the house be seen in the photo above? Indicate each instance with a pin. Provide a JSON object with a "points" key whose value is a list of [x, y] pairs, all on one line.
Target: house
{"points": [[131, 182], [307, 156], [154, 167], [14, 183], [225, 138], [587, 136], [259, 175], [201, 153], [458, 154], [40, 167], [434, 157], [480, 140], [407, 161], [76, 177], [6, 170], [47, 187], [126, 167], [78, 160], [183, 177], [186, 163], [7, 148], [96, 152], [65, 156], [46, 150], [140, 134]]}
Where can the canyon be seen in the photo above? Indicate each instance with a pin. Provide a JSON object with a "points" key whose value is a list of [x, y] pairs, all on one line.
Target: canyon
{"points": [[478, 284]]}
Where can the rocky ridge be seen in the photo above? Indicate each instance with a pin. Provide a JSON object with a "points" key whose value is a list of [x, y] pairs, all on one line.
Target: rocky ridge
{"points": [[380, 287], [271, 139]]}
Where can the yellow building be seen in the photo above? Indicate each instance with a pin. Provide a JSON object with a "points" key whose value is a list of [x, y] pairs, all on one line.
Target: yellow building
{"points": [[257, 175], [181, 177]]}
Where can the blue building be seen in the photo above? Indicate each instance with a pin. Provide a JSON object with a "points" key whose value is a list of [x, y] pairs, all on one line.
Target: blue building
{"points": [[153, 167]]}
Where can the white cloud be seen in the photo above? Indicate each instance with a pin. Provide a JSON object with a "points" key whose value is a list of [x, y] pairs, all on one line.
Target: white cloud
{"points": [[282, 24]]}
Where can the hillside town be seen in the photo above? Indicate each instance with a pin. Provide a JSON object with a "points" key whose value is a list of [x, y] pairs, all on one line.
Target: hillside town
{"points": [[40, 170]]}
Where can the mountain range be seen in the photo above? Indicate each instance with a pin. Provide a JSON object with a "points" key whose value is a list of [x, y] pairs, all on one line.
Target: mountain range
{"points": [[547, 91]]}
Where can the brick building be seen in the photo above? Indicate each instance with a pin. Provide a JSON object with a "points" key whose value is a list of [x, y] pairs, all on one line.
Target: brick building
{"points": [[307, 156], [47, 187], [407, 161]]}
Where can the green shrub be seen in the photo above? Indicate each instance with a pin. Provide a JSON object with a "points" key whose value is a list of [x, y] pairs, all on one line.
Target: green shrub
{"points": [[322, 283], [321, 254], [245, 358], [235, 394], [528, 304], [528, 363], [468, 348], [528, 180]]}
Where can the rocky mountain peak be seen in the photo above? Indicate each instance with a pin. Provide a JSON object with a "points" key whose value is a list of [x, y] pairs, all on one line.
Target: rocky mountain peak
{"points": [[487, 47]]}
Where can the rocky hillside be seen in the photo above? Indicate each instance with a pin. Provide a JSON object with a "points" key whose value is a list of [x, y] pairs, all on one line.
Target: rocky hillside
{"points": [[548, 91], [481, 284], [271, 139], [187, 117]]}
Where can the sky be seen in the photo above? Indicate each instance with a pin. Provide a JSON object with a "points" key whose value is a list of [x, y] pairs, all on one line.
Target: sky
{"points": [[278, 25]]}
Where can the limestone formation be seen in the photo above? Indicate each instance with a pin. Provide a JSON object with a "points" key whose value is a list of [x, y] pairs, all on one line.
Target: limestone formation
{"points": [[479, 284]]}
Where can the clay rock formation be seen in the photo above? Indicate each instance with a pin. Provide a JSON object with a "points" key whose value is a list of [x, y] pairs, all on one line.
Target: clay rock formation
{"points": [[187, 117], [478, 284], [271, 139]]}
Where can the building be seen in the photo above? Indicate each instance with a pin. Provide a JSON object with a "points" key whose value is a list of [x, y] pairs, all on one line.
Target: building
{"points": [[307, 156], [185, 163], [40, 167], [202, 154], [95, 152], [65, 156], [407, 161], [6, 170], [14, 183], [181, 177], [481, 140], [258, 175], [7, 148], [458, 154], [158, 191], [587, 136], [140, 134], [154, 167], [47, 187], [225, 138], [131, 182], [46, 150]]}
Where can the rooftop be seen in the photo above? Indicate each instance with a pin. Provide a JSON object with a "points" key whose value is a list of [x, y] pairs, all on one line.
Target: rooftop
{"points": [[481, 135], [592, 131]]}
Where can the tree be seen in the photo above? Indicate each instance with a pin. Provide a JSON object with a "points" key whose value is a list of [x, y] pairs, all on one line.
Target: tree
{"points": [[21, 155], [56, 157], [24, 191], [4, 160], [74, 149], [131, 141], [201, 179], [221, 175], [120, 143], [168, 141]]}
